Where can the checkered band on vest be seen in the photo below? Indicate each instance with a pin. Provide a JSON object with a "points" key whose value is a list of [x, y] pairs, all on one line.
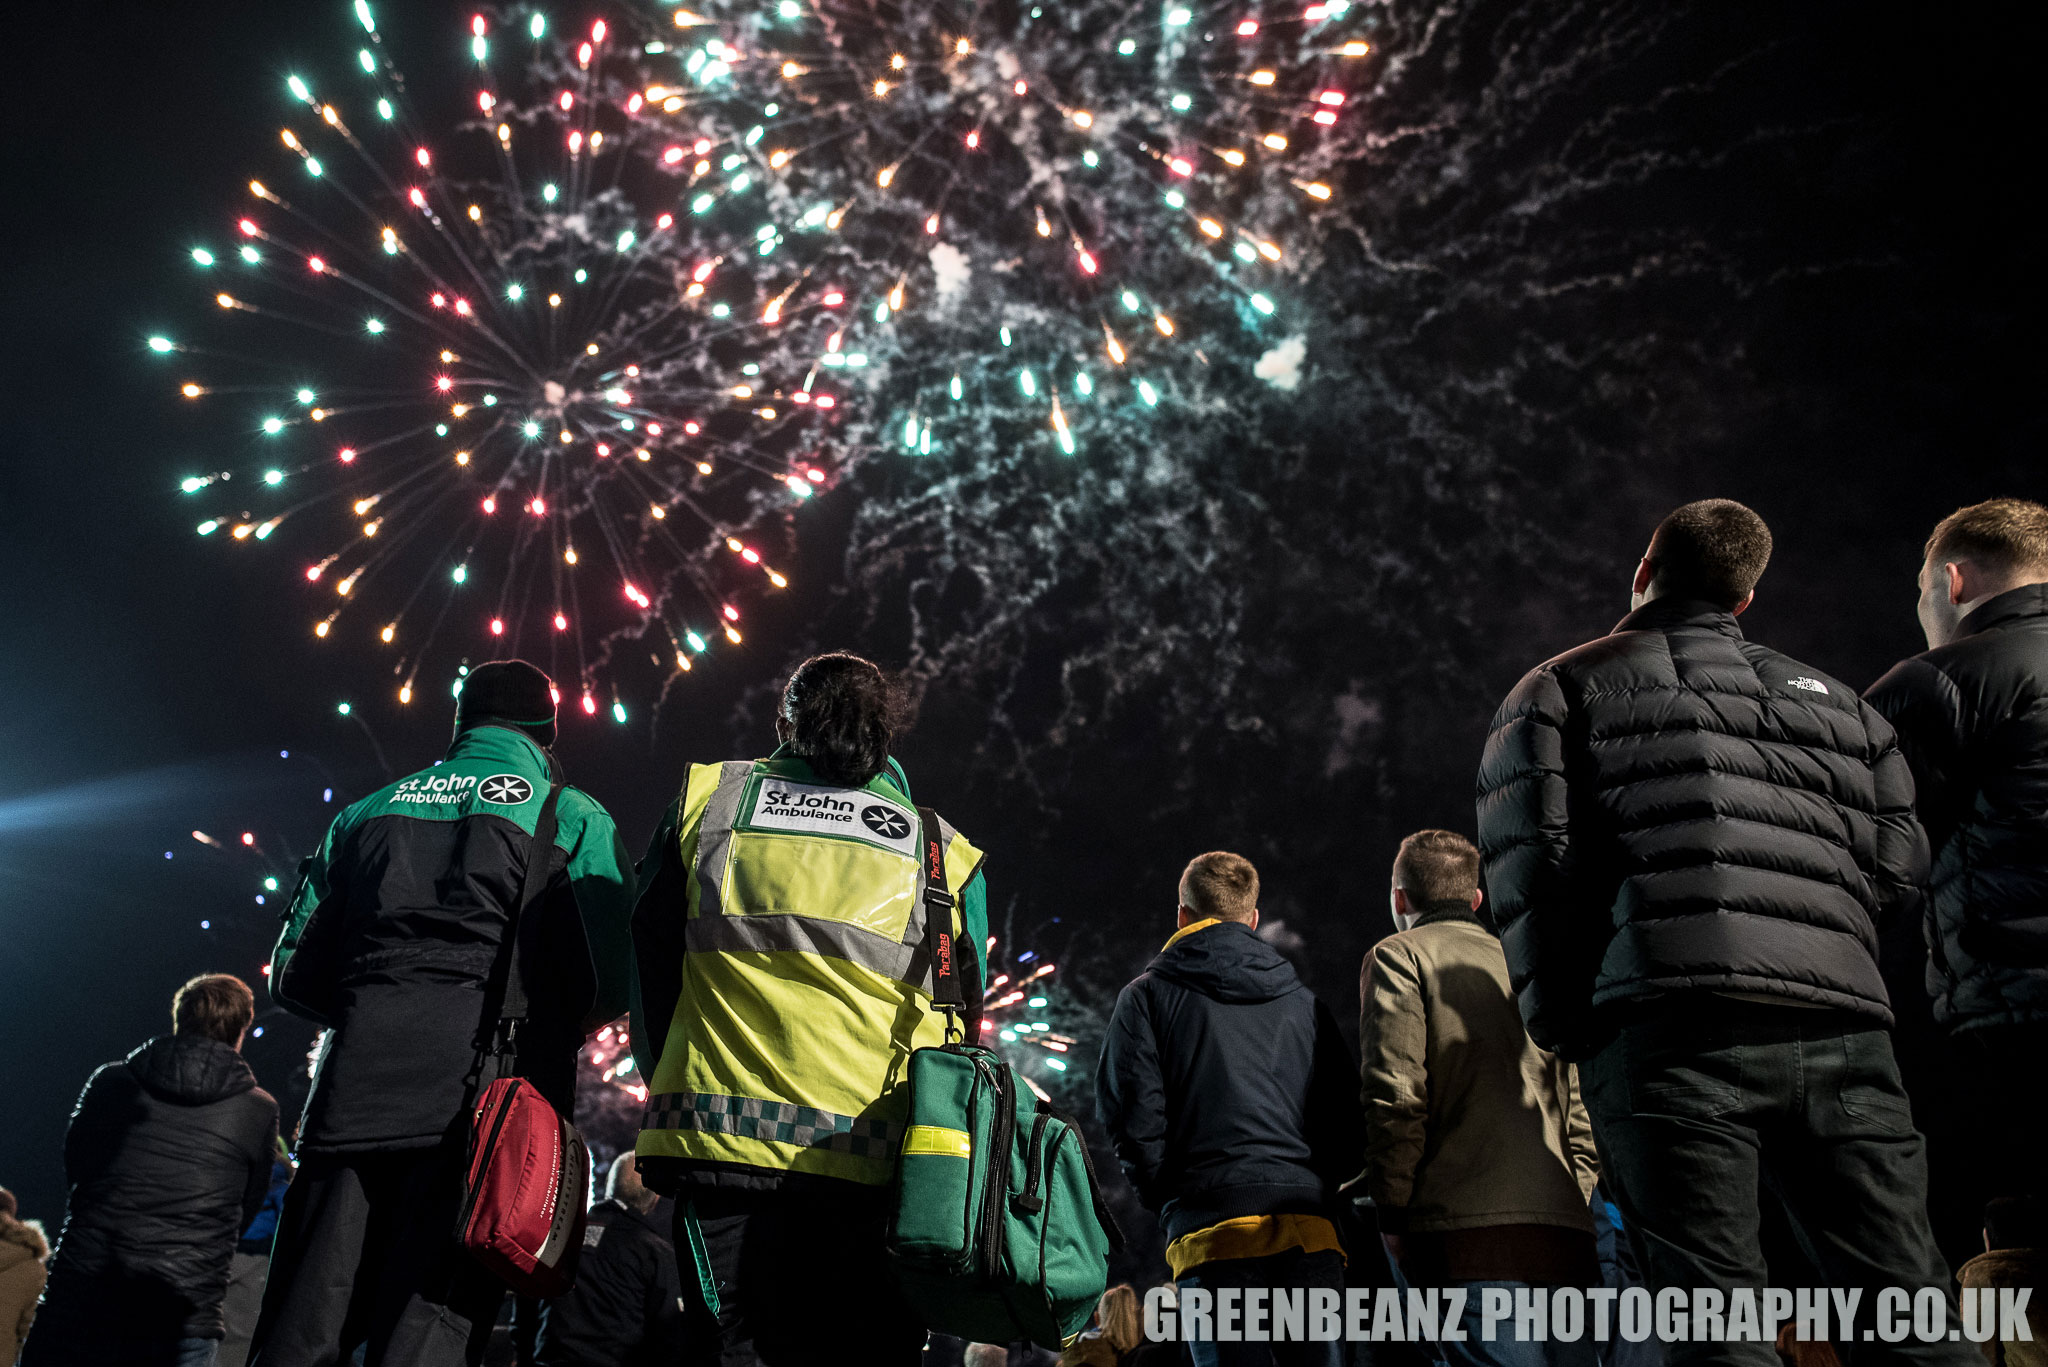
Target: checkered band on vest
{"points": [[777, 1121]]}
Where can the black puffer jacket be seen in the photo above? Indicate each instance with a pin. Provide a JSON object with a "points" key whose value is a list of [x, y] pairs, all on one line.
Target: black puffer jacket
{"points": [[168, 1156], [1672, 807], [1225, 1084], [1972, 718], [625, 1309]]}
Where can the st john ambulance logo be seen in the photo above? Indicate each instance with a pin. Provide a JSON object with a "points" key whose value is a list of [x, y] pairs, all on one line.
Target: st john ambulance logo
{"points": [[886, 822], [507, 790]]}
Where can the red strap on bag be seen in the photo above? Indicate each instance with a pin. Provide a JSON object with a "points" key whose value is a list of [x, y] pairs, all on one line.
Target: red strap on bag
{"points": [[523, 1208]]}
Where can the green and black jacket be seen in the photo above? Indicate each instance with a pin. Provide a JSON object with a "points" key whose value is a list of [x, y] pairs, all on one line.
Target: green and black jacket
{"points": [[391, 938]]}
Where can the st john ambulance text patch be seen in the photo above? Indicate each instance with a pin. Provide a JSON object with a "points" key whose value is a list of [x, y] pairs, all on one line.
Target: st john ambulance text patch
{"points": [[848, 813]]}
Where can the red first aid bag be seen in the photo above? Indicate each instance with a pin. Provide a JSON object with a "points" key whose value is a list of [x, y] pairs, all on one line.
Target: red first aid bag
{"points": [[526, 1187], [529, 1172]]}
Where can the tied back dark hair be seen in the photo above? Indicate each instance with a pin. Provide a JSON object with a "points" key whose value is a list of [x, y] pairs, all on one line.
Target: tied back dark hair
{"points": [[840, 715]]}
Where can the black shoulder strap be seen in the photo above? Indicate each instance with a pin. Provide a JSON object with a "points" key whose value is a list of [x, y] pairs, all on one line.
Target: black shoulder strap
{"points": [[939, 947], [539, 856]]}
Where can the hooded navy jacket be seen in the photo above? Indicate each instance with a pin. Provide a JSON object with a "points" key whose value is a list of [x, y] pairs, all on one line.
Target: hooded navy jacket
{"points": [[1225, 1085]]}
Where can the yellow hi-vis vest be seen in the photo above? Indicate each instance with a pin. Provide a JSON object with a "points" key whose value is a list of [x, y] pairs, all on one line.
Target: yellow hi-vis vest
{"points": [[805, 984]]}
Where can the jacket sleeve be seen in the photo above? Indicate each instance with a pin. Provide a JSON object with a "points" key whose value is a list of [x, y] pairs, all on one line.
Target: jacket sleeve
{"points": [[1924, 710], [91, 1138], [601, 879], [1335, 1123], [1552, 936], [658, 924], [1130, 1095], [256, 1187], [1393, 1041], [1578, 1135], [1899, 858], [303, 967]]}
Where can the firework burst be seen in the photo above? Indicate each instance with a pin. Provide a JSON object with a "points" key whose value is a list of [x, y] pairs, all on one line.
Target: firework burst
{"points": [[1038, 216], [490, 396]]}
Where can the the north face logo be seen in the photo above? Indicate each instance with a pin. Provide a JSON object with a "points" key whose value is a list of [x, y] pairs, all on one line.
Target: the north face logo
{"points": [[1810, 685]]}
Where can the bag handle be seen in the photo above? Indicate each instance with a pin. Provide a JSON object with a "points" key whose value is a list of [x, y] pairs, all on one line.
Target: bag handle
{"points": [[948, 995], [513, 1005]]}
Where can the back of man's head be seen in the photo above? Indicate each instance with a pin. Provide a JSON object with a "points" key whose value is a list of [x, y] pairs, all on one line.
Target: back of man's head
{"points": [[1436, 867], [1713, 550], [1220, 886], [2007, 538], [215, 1006], [509, 693], [2015, 1222], [623, 1184]]}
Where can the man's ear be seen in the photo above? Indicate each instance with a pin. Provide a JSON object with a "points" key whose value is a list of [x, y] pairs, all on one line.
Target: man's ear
{"points": [[1477, 898], [1955, 583], [1186, 916], [1743, 606], [1644, 574], [1255, 918], [1401, 902]]}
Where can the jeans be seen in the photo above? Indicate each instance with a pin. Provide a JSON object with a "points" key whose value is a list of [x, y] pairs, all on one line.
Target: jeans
{"points": [[1993, 1092], [196, 1352], [69, 1351], [1702, 1101], [1505, 1350], [1291, 1269]]}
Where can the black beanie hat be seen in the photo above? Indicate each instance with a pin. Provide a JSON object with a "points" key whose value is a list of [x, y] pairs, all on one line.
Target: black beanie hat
{"points": [[508, 693]]}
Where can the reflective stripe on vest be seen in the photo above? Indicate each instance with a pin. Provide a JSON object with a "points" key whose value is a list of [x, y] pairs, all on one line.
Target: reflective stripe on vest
{"points": [[778, 1121], [805, 984]]}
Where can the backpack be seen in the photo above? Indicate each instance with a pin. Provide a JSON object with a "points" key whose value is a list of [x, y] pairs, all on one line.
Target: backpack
{"points": [[997, 1229]]}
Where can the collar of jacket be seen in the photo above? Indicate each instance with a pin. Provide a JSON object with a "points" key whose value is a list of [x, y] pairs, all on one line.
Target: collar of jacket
{"points": [[2028, 600], [1188, 930], [1675, 614], [800, 769], [1449, 911], [500, 745]]}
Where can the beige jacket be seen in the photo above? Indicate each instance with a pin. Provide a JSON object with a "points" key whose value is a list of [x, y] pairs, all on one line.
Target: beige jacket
{"points": [[22, 1251], [1468, 1123], [2007, 1267]]}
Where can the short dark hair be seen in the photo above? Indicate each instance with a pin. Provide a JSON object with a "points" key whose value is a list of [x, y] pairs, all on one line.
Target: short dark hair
{"points": [[2001, 534], [217, 1006], [1437, 866], [2015, 1222], [841, 714], [1221, 885], [1714, 550]]}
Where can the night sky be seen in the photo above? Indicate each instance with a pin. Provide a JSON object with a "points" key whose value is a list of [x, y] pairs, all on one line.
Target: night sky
{"points": [[1605, 258]]}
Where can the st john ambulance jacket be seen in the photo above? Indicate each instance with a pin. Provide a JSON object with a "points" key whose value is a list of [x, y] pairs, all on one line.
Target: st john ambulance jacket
{"points": [[395, 929], [1674, 808], [1973, 722], [780, 944]]}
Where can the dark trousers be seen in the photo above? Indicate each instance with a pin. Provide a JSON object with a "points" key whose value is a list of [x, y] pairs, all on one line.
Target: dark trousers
{"points": [[802, 1278], [1702, 1101], [1293, 1268], [366, 1255], [1988, 1135]]}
